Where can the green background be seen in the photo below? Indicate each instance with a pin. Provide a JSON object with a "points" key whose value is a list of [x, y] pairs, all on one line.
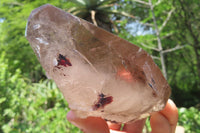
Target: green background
{"points": [[29, 102]]}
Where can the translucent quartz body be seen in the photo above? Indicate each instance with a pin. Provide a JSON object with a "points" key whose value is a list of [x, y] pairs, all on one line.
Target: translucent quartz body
{"points": [[98, 73]]}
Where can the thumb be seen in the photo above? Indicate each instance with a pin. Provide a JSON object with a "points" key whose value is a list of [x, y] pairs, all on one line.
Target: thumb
{"points": [[88, 125]]}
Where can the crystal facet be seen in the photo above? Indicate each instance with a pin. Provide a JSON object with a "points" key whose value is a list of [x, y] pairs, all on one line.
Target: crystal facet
{"points": [[98, 73]]}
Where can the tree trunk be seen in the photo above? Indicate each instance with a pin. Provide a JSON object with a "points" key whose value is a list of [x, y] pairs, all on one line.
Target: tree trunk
{"points": [[198, 61], [162, 59]]}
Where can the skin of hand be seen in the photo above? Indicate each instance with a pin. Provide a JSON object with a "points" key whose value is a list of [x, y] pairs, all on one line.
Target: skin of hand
{"points": [[164, 121]]}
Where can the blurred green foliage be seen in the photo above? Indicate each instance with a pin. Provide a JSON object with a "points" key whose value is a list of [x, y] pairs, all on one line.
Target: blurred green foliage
{"points": [[189, 119], [31, 103]]}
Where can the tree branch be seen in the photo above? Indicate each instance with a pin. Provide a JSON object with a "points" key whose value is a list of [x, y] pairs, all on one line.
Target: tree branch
{"points": [[173, 49], [157, 3], [142, 2], [93, 17], [167, 19], [114, 27], [15, 3], [168, 35], [163, 37], [152, 48], [147, 24], [155, 57]]}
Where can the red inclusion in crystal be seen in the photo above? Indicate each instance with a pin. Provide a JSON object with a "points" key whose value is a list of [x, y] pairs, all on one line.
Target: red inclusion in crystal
{"points": [[63, 61], [102, 101]]}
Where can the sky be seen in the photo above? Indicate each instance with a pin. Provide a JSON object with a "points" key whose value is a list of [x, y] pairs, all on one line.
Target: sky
{"points": [[137, 29]]}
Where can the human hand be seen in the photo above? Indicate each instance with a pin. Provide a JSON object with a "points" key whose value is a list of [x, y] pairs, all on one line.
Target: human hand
{"points": [[161, 122]]}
